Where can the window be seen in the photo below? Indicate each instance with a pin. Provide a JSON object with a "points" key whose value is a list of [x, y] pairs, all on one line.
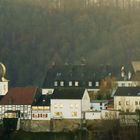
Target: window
{"points": [[97, 84], [58, 114], [76, 105], [76, 83], [90, 84], [119, 102], [71, 105], [106, 114], [127, 102], [55, 83], [55, 105], [136, 102], [39, 115], [70, 83], [139, 102], [123, 84], [74, 114], [62, 83], [44, 115]]}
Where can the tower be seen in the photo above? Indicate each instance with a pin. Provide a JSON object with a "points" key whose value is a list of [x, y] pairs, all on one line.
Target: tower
{"points": [[3, 80]]}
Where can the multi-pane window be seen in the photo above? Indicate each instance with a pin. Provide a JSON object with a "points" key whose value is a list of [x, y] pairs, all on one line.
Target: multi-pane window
{"points": [[136, 102]]}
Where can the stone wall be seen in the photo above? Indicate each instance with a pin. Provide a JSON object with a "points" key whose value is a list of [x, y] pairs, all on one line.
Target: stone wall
{"points": [[55, 125], [35, 125], [59, 125]]}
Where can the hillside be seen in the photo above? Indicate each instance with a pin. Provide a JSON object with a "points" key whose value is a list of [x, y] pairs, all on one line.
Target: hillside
{"points": [[33, 36]]}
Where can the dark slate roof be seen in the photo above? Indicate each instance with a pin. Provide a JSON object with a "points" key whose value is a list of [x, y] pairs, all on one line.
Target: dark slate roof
{"points": [[68, 93], [127, 91], [44, 100], [80, 73], [19, 96]]}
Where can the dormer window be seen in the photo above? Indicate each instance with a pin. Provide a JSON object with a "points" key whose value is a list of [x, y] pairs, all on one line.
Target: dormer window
{"points": [[90, 84], [55, 83], [97, 84], [76, 83], [70, 83], [62, 83]]}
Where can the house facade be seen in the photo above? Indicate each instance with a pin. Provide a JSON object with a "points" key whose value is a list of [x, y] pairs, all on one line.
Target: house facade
{"points": [[19, 99], [127, 99], [69, 103]]}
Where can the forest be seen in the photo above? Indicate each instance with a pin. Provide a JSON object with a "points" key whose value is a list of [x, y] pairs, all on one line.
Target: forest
{"points": [[35, 35]]}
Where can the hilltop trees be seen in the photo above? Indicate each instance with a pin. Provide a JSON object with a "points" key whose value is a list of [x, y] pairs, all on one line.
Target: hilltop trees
{"points": [[33, 36]]}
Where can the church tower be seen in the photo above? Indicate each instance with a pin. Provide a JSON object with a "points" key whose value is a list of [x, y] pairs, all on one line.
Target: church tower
{"points": [[3, 80]]}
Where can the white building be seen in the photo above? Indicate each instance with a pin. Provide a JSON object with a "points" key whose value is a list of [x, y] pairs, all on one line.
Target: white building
{"points": [[69, 103], [127, 99]]}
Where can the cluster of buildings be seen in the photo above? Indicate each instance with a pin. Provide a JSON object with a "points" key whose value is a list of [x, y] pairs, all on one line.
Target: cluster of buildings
{"points": [[64, 95], [62, 4]]}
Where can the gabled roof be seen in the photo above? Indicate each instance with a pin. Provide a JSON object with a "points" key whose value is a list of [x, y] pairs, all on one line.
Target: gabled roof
{"points": [[127, 91], [68, 93], [19, 96], [80, 73]]}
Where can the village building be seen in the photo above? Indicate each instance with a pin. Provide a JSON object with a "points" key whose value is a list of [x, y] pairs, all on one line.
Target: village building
{"points": [[41, 108], [69, 103], [20, 100], [83, 76], [127, 99]]}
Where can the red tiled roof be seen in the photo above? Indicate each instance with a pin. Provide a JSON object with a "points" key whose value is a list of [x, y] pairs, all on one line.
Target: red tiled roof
{"points": [[19, 96]]}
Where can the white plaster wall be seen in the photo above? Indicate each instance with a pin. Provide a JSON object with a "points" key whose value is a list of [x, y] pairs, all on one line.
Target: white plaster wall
{"points": [[85, 102], [92, 115]]}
